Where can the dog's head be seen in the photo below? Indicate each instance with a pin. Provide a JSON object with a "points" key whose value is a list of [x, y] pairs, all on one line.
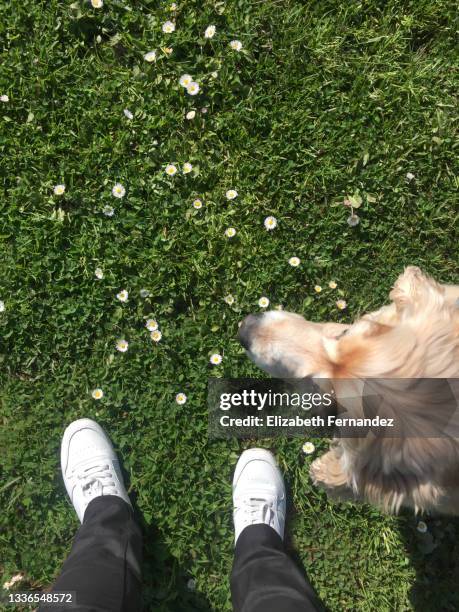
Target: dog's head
{"points": [[416, 335]]}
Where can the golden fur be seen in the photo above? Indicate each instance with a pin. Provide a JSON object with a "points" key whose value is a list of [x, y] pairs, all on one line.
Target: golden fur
{"points": [[416, 336]]}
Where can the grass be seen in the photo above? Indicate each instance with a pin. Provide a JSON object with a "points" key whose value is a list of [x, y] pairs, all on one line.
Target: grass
{"points": [[326, 100]]}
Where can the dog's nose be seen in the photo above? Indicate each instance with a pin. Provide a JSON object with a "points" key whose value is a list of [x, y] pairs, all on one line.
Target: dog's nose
{"points": [[247, 328]]}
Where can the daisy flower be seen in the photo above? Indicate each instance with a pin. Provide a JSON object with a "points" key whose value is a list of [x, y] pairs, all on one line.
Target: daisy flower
{"points": [[263, 302], [59, 190], [193, 88], [353, 220], [216, 359], [229, 299], [151, 325], [156, 335], [2, 306], [173, 7], [150, 56], [236, 45], [190, 114], [230, 232], [167, 50], [210, 31], [118, 190], [180, 398], [187, 168], [231, 194], [123, 295], [294, 261], [270, 223], [122, 345], [108, 211], [341, 304], [332, 285], [98, 273], [204, 110], [168, 27], [317, 288], [97, 394], [4, 98], [410, 176], [97, 3], [197, 204], [17, 578], [144, 293], [308, 448], [185, 80], [128, 114], [171, 169], [421, 527]]}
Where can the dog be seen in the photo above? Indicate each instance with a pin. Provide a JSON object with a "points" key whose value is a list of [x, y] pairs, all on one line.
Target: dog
{"points": [[416, 336]]}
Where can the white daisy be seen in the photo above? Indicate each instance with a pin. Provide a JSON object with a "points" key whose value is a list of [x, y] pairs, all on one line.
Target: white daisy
{"points": [[99, 273], [263, 302], [168, 27], [190, 114], [229, 299], [151, 325], [2, 306], [308, 448], [118, 190], [422, 527], [197, 204], [210, 31], [173, 7], [230, 232], [294, 261], [270, 223], [150, 56], [236, 45], [59, 190], [167, 50], [123, 295], [193, 88], [187, 168], [341, 304], [97, 3], [216, 359], [317, 288], [171, 169], [4, 98], [180, 398], [97, 394], [410, 176], [122, 345], [185, 80], [231, 194], [128, 114], [204, 110], [353, 220], [156, 335], [108, 211], [332, 285]]}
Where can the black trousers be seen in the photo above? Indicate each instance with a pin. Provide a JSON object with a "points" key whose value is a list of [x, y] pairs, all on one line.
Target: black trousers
{"points": [[103, 567]]}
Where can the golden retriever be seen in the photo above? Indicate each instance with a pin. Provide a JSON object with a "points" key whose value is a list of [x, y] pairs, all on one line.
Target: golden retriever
{"points": [[416, 336]]}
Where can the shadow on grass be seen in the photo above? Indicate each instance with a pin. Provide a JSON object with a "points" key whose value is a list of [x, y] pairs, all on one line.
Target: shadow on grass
{"points": [[165, 587], [435, 558]]}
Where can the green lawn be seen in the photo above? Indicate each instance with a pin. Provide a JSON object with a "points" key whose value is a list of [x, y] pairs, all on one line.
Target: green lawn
{"points": [[325, 101]]}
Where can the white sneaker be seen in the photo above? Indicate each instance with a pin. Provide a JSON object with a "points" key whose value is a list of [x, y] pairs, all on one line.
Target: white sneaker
{"points": [[258, 492], [90, 467]]}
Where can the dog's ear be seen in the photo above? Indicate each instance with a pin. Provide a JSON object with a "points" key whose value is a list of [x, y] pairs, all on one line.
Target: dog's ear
{"points": [[414, 291], [368, 349]]}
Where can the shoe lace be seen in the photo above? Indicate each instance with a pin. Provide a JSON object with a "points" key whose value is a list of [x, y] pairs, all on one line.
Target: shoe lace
{"points": [[257, 510], [97, 480]]}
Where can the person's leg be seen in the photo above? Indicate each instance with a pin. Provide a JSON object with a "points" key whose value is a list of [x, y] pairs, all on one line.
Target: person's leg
{"points": [[103, 567], [264, 578]]}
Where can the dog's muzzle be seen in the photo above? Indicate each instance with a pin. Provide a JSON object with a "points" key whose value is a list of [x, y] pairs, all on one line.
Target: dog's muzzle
{"points": [[247, 328]]}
